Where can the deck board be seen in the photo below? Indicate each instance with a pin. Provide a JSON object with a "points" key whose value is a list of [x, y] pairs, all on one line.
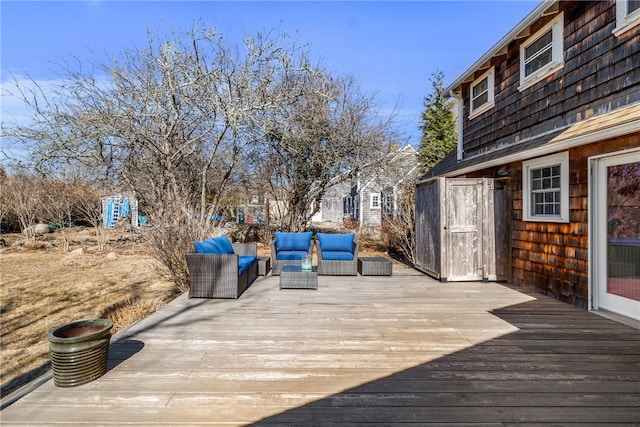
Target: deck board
{"points": [[403, 350]]}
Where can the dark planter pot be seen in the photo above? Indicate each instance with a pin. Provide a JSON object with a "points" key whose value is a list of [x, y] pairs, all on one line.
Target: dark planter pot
{"points": [[79, 351]]}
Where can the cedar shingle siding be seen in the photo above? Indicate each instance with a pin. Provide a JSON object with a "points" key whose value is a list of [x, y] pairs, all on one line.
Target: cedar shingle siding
{"points": [[551, 257], [600, 74], [598, 88]]}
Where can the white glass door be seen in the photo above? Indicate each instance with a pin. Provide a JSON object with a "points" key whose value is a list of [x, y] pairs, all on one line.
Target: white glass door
{"points": [[616, 234]]}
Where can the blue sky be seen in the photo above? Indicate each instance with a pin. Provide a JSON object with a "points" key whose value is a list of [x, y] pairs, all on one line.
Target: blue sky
{"points": [[391, 47]]}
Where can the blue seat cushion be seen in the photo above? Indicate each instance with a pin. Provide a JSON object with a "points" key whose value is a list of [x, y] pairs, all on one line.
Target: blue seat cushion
{"points": [[337, 256], [293, 241], [336, 242], [245, 262], [291, 255]]}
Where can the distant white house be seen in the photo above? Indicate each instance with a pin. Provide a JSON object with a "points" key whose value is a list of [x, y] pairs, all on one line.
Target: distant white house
{"points": [[372, 194]]}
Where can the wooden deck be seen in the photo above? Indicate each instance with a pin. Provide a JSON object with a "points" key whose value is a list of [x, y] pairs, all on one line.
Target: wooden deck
{"points": [[390, 351]]}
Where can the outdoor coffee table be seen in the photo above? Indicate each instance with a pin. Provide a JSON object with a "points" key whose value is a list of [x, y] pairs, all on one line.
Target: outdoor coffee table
{"points": [[374, 266], [292, 277]]}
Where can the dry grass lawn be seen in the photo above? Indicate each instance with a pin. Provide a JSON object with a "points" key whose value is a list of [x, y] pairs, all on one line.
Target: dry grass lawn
{"points": [[42, 287]]}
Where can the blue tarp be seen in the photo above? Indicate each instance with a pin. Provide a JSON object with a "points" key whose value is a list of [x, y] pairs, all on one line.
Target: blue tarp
{"points": [[109, 214], [124, 208]]}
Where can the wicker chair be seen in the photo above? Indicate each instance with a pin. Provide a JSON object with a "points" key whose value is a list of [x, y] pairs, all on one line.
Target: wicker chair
{"points": [[289, 249], [339, 256], [216, 275]]}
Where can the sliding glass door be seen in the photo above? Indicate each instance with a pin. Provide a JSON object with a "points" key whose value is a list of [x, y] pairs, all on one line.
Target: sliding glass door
{"points": [[616, 234]]}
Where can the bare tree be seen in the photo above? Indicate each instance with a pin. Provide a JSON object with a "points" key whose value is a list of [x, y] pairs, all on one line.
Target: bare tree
{"points": [[399, 230], [58, 204], [187, 120], [325, 126], [22, 195], [88, 207], [171, 121]]}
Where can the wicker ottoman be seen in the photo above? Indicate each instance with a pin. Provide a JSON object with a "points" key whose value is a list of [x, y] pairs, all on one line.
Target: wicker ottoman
{"points": [[292, 277], [264, 265], [374, 266]]}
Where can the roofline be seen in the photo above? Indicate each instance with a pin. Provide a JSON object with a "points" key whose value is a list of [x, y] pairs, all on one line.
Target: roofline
{"points": [[607, 133], [533, 16]]}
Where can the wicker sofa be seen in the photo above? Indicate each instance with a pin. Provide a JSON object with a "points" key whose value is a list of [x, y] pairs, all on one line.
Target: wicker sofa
{"points": [[221, 269], [337, 254], [289, 249]]}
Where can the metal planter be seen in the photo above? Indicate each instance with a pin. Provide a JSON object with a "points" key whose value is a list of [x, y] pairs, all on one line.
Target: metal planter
{"points": [[79, 351]]}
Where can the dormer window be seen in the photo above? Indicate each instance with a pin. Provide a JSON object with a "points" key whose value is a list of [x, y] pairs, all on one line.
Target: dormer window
{"points": [[542, 54], [627, 16], [482, 93]]}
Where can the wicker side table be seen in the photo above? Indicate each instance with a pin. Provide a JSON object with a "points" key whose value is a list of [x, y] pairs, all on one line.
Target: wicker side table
{"points": [[264, 265], [292, 277], [374, 266]]}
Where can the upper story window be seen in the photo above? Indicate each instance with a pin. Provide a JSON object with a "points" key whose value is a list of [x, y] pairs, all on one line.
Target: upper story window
{"points": [[545, 185], [543, 53], [627, 15], [375, 201], [482, 93]]}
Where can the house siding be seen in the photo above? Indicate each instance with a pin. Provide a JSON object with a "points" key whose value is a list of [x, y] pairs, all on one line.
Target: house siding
{"points": [[371, 217], [600, 74], [553, 258], [388, 173]]}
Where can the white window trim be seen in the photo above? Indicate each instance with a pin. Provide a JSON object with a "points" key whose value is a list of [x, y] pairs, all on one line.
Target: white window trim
{"points": [[624, 20], [490, 76], [557, 50], [561, 159], [372, 196]]}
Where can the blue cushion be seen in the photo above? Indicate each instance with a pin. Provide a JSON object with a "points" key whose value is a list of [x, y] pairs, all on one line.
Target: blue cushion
{"points": [[293, 241], [209, 246], [245, 262], [225, 244], [337, 256], [218, 245], [291, 255], [336, 242]]}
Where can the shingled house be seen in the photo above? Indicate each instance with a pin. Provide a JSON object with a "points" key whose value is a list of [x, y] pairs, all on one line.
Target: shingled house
{"points": [[544, 187]]}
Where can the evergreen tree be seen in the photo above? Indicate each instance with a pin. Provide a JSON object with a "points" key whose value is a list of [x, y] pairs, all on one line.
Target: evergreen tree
{"points": [[438, 127]]}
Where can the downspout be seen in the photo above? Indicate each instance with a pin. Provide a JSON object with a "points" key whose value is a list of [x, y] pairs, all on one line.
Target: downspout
{"points": [[459, 121]]}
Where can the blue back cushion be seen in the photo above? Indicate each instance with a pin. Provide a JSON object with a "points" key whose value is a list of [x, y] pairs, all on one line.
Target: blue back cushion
{"points": [[336, 242], [218, 245], [208, 246], [225, 244], [293, 241]]}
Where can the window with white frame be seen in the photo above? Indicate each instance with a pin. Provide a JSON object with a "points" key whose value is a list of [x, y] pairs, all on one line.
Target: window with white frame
{"points": [[543, 53], [627, 16], [482, 93], [545, 185], [375, 201]]}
